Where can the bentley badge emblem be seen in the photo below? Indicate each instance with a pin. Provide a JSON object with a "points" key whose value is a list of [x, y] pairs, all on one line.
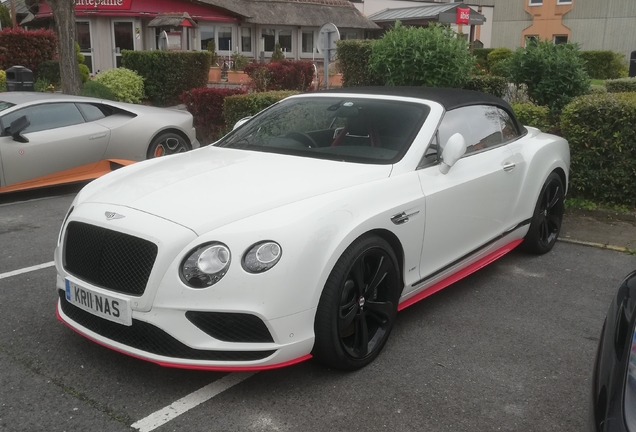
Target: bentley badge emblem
{"points": [[113, 215]]}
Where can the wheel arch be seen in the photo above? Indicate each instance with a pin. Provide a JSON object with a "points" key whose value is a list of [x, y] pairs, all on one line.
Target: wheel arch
{"points": [[395, 244], [169, 130]]}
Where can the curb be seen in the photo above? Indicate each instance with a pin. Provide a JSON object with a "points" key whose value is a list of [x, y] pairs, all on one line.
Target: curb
{"points": [[596, 245]]}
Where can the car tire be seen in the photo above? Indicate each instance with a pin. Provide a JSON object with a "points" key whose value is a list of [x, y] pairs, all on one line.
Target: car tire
{"points": [[358, 305], [547, 217], [166, 144]]}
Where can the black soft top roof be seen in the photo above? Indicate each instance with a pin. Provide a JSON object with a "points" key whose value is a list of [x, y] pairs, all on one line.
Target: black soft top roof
{"points": [[449, 98]]}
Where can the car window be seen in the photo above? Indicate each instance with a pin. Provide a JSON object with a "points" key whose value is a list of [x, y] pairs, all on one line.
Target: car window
{"points": [[480, 125], [46, 116], [91, 112], [350, 129], [508, 126], [4, 105]]}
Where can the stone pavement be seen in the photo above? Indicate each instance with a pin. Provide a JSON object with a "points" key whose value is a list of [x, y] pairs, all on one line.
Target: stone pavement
{"points": [[600, 228]]}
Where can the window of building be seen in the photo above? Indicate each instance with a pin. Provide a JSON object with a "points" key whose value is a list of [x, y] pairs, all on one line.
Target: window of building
{"points": [[535, 2], [532, 40], [272, 36], [207, 35], [221, 35], [564, 2], [560, 39], [225, 39], [246, 39], [308, 41]]}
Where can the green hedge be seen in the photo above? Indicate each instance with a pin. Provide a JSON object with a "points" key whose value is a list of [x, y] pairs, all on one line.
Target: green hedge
{"points": [[481, 54], [353, 57], [244, 105], [494, 85], [49, 71], [533, 115], [604, 64], [168, 74], [602, 141], [497, 61], [621, 85], [3, 81]]}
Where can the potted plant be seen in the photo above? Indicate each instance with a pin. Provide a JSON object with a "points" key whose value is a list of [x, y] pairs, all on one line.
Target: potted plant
{"points": [[236, 74], [215, 70]]}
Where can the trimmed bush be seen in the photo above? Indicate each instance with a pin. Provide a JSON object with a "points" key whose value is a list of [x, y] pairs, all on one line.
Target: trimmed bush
{"points": [[167, 74], [494, 85], [497, 61], [604, 64], [98, 90], [281, 75], [597, 89], [126, 84], [353, 57], [533, 115], [50, 71], [239, 61], [553, 74], [278, 54], [245, 105], [206, 106], [3, 81], [26, 48], [602, 141], [621, 85], [415, 56]]}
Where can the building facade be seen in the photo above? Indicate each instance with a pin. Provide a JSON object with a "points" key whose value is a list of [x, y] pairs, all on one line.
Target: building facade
{"points": [[107, 27], [592, 24]]}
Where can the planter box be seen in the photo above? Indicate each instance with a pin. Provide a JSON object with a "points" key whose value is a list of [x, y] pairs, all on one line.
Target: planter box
{"points": [[237, 77], [335, 80], [214, 75]]}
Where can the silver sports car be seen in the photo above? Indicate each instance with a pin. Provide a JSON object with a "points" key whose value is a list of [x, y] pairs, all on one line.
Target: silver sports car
{"points": [[49, 139]]}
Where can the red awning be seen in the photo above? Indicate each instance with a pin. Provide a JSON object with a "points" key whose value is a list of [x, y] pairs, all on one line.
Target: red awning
{"points": [[142, 8]]}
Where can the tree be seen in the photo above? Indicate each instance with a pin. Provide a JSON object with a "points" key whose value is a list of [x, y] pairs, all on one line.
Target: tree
{"points": [[64, 14], [5, 17]]}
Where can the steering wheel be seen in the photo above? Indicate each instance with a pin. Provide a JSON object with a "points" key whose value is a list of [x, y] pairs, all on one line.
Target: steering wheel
{"points": [[302, 137]]}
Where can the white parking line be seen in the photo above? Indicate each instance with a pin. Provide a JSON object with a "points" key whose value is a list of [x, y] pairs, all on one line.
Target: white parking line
{"points": [[26, 270], [154, 420]]}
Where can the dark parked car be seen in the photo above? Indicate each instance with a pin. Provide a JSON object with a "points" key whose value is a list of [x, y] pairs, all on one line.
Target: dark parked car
{"points": [[614, 382]]}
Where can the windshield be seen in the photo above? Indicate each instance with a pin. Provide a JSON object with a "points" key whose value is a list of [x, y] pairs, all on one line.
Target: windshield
{"points": [[4, 105], [348, 129]]}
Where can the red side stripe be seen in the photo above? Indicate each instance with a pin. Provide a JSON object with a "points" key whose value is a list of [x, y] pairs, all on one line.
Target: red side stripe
{"points": [[460, 274]]}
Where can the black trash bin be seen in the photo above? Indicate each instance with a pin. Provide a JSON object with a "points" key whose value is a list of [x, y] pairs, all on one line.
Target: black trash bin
{"points": [[19, 78], [632, 64]]}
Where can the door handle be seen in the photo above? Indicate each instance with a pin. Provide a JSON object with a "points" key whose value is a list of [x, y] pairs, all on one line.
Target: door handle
{"points": [[509, 166], [101, 135]]}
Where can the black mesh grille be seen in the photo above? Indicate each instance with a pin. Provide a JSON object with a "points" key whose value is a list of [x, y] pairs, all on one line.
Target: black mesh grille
{"points": [[231, 327], [151, 339], [108, 259]]}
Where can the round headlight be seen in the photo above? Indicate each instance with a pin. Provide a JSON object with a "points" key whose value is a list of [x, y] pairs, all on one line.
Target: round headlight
{"points": [[205, 265], [262, 256]]}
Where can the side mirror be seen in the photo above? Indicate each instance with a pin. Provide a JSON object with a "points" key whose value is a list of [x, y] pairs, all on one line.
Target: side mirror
{"points": [[17, 127], [453, 150], [240, 122]]}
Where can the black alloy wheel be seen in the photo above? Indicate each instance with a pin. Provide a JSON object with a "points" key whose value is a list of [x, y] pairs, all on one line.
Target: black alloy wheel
{"points": [[166, 144], [548, 216], [358, 306]]}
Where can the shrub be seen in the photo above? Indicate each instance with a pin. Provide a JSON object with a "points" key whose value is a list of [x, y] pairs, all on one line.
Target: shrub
{"points": [[497, 61], [239, 61], [553, 74], [281, 75], [278, 54], [481, 56], [214, 57], [244, 105], [621, 85], [353, 56], [126, 84], [533, 115], [5, 17], [494, 85], [98, 90], [604, 64], [26, 48], [597, 89], [433, 56], [3, 81], [206, 106], [50, 72], [167, 74], [602, 141]]}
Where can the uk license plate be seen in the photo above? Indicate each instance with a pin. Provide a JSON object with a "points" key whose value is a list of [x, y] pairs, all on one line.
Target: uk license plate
{"points": [[109, 307]]}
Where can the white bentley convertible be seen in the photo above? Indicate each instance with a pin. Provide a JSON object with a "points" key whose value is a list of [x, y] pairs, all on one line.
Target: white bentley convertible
{"points": [[306, 229]]}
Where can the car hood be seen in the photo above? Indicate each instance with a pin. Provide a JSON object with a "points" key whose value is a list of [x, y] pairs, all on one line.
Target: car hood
{"points": [[211, 187]]}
